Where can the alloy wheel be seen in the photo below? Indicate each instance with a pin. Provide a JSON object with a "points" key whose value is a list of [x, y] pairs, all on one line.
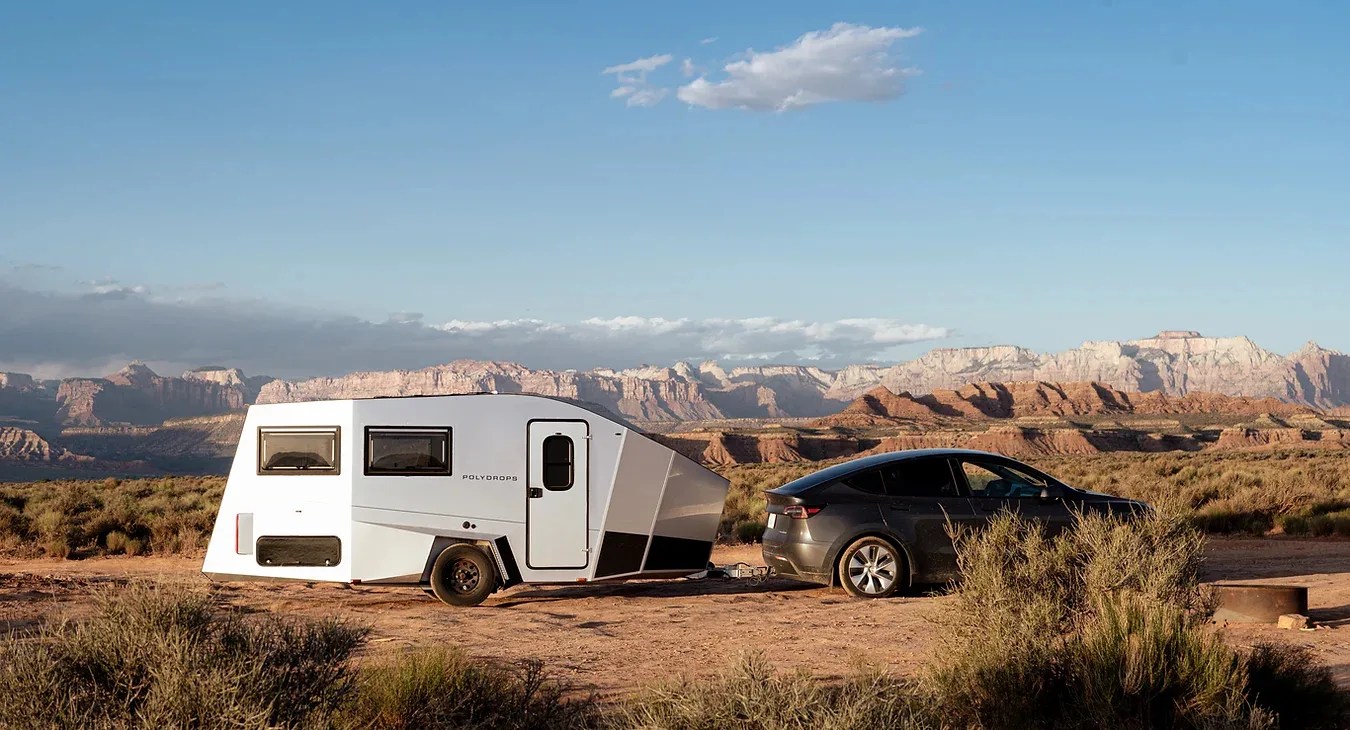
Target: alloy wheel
{"points": [[873, 569]]}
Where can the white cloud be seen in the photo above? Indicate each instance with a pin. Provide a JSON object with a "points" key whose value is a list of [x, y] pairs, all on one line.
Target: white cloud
{"points": [[642, 65], [632, 79], [708, 41], [844, 63], [658, 339], [73, 333], [687, 67], [647, 97]]}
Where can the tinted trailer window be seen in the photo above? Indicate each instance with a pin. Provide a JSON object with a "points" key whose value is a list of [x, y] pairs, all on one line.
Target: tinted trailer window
{"points": [[298, 451]]}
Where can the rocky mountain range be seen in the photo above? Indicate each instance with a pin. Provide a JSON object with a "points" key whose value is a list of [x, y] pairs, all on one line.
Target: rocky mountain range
{"points": [[1172, 363], [1030, 399]]}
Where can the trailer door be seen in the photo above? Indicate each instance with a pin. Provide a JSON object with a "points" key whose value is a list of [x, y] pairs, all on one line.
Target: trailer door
{"points": [[557, 494]]}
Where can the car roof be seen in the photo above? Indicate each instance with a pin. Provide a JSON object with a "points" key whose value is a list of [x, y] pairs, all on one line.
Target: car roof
{"points": [[831, 473]]}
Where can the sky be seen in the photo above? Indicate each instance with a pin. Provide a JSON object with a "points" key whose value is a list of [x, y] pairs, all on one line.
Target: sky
{"points": [[314, 188]]}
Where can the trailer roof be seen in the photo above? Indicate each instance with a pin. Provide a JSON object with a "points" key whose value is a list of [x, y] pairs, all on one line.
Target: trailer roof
{"points": [[595, 408]]}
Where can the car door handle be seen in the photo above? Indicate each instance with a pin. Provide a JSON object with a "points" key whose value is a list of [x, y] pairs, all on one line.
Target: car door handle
{"points": [[536, 492], [900, 507], [988, 506]]}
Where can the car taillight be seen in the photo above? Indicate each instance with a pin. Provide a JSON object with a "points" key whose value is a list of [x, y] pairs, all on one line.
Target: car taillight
{"points": [[799, 512]]}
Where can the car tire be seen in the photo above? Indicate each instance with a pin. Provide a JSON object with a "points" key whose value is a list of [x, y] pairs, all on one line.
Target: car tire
{"points": [[872, 567], [463, 575]]}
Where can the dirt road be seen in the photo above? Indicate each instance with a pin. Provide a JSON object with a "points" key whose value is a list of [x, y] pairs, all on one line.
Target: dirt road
{"points": [[616, 636]]}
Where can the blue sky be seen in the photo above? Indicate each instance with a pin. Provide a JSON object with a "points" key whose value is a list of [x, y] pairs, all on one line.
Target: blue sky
{"points": [[1028, 173]]}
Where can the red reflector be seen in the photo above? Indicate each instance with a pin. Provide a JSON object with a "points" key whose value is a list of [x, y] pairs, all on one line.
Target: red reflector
{"points": [[799, 512]]}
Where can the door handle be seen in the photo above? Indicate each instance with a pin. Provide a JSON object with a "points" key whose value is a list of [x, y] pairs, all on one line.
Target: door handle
{"points": [[900, 507], [988, 506], [536, 492]]}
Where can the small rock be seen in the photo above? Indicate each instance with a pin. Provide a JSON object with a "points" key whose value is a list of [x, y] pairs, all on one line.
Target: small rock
{"points": [[1293, 621]]}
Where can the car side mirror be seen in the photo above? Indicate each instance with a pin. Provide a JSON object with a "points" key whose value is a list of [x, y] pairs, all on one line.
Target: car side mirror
{"points": [[1047, 495]]}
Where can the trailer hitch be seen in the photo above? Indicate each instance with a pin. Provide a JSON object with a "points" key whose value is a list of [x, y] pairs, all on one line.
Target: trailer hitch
{"points": [[754, 573]]}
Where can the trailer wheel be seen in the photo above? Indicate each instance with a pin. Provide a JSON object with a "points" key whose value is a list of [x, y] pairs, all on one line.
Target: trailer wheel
{"points": [[463, 575]]}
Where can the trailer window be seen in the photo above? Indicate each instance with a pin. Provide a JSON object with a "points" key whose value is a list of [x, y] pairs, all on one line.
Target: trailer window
{"points": [[408, 451], [558, 462], [298, 450]]}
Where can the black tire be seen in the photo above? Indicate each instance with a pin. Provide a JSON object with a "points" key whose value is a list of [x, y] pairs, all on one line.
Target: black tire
{"points": [[463, 575], [871, 567]]}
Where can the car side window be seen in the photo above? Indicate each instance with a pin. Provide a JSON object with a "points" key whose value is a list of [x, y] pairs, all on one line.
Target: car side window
{"points": [[1000, 481], [920, 478], [868, 481]]}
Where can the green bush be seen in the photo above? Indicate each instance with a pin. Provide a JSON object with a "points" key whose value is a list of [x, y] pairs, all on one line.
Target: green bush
{"points": [[444, 688], [749, 530]]}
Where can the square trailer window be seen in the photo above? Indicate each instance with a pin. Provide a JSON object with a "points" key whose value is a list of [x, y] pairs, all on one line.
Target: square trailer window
{"points": [[407, 451], [298, 450]]}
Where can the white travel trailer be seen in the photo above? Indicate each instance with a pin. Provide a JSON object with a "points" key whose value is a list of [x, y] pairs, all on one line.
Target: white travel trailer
{"points": [[459, 494]]}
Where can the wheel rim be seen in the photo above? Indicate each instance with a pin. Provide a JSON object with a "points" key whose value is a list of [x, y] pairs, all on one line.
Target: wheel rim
{"points": [[464, 576], [872, 569]]}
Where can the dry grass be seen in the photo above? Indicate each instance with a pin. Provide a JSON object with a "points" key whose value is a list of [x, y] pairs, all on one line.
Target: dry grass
{"points": [[71, 519], [162, 656], [1104, 626], [1107, 625], [1295, 492]]}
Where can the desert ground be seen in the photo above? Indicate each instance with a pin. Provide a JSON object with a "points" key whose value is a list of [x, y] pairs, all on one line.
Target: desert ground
{"points": [[613, 637]]}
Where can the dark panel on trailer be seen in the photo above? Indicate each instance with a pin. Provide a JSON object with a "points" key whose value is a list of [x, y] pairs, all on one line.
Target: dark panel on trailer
{"points": [[620, 552], [306, 551], [678, 553]]}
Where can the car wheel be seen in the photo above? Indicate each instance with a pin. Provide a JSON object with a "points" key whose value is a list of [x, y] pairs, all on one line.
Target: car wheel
{"points": [[463, 575], [871, 568]]}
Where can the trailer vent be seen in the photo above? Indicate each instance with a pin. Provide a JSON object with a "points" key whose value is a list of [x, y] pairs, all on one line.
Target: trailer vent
{"points": [[299, 551]]}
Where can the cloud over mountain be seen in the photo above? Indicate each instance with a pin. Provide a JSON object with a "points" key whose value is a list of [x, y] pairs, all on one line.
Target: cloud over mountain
{"points": [[69, 333]]}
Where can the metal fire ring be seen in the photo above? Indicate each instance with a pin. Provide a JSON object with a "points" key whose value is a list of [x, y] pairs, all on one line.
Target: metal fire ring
{"points": [[1255, 603]]}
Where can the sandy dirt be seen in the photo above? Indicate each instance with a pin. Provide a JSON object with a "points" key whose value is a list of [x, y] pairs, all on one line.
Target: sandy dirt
{"points": [[612, 637]]}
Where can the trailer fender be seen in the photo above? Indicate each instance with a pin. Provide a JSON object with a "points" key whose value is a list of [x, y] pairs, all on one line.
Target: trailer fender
{"points": [[498, 547]]}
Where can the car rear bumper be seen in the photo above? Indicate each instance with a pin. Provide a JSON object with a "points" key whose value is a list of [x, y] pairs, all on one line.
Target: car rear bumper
{"points": [[795, 559]]}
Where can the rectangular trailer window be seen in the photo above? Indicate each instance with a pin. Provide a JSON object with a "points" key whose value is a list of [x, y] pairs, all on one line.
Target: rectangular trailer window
{"points": [[558, 460], [298, 450], [407, 451]]}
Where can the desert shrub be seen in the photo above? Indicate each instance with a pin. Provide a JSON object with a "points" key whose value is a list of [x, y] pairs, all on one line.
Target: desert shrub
{"points": [[1300, 692], [444, 688], [1317, 522], [79, 519], [750, 695], [156, 656], [1105, 625], [749, 530], [1220, 521]]}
